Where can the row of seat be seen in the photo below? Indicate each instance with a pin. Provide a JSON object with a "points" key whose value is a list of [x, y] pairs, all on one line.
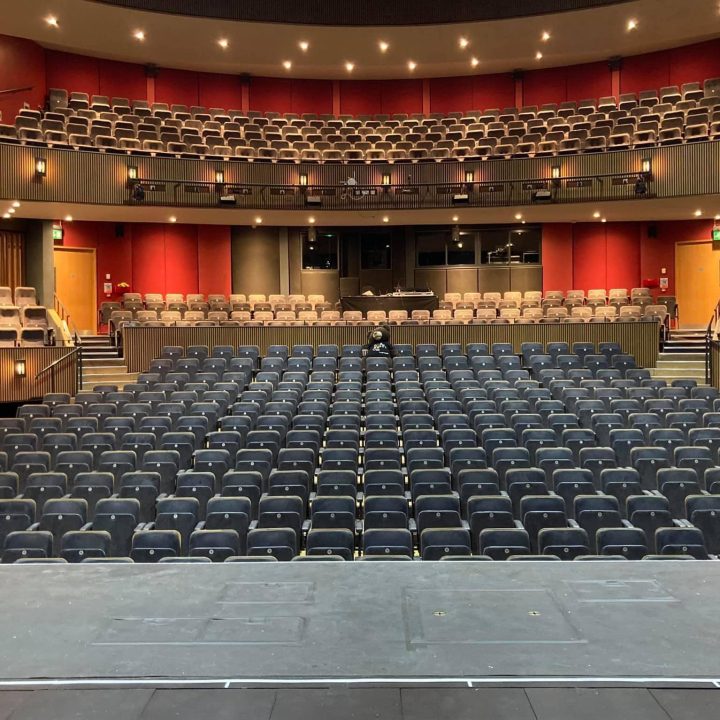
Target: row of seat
{"points": [[413, 455]]}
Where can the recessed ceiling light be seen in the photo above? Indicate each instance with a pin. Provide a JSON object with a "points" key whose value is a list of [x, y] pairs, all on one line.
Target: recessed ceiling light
{"points": [[223, 43], [172, 219], [287, 64], [596, 214], [68, 218], [463, 42], [604, 220], [411, 65], [523, 222], [632, 24], [349, 66], [717, 217], [6, 216], [698, 213], [311, 220], [545, 36], [11, 210], [16, 204], [383, 46], [139, 35], [538, 55], [518, 216], [386, 219], [52, 21], [455, 218], [258, 220], [474, 62], [304, 45]]}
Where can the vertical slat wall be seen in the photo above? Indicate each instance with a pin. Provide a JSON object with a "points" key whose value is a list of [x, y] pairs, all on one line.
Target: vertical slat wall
{"points": [[21, 389], [678, 170], [142, 344]]}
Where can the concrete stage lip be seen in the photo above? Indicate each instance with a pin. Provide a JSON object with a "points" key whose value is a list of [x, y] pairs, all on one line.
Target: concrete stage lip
{"points": [[397, 624]]}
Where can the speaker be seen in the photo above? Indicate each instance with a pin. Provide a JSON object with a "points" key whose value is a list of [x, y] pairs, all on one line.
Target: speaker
{"points": [[652, 231], [119, 230]]}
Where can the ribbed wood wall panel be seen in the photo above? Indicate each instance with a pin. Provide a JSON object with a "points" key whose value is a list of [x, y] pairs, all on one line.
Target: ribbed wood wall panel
{"points": [[17, 389], [715, 364], [679, 170], [143, 344]]}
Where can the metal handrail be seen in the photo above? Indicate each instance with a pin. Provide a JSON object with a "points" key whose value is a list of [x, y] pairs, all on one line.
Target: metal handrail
{"points": [[11, 91], [76, 351], [65, 316], [708, 340]]}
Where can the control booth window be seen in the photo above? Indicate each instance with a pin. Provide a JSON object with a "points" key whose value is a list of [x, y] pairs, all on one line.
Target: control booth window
{"points": [[510, 246], [320, 251], [445, 246], [375, 251]]}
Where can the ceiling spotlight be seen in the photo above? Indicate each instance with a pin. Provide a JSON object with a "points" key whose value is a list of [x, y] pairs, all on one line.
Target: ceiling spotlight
{"points": [[139, 35], [455, 218], [698, 213], [604, 220], [68, 218], [411, 65], [596, 214], [304, 45], [172, 219], [258, 220], [518, 216], [545, 36], [287, 64], [717, 217], [523, 222], [52, 21], [474, 62], [383, 46], [16, 204], [349, 66], [11, 211], [311, 220], [538, 55], [463, 42], [386, 219], [6, 216], [223, 43], [632, 24]]}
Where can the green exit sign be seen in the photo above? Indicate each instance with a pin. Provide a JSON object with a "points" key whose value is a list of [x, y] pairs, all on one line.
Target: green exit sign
{"points": [[57, 233], [716, 234]]}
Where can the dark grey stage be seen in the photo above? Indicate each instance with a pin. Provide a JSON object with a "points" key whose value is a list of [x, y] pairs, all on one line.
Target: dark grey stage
{"points": [[420, 640]]}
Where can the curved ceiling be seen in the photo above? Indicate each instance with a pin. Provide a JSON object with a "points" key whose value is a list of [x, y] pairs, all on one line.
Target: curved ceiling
{"points": [[365, 12], [265, 49]]}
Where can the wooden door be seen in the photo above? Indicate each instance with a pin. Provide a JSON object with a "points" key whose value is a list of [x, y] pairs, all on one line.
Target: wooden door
{"points": [[697, 279], [76, 287]]}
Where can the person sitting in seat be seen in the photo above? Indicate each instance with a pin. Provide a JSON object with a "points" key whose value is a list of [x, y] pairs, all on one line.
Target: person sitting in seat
{"points": [[379, 344]]}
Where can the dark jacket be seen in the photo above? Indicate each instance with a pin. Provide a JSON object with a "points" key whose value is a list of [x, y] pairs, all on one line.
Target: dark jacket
{"points": [[382, 347]]}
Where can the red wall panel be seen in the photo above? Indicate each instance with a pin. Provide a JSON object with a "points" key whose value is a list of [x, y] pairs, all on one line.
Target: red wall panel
{"points": [[214, 263], [557, 256], [178, 87], [312, 96], [592, 80], [148, 259], [181, 258], [493, 91], [645, 72], [451, 94], [589, 256], [623, 255], [360, 97], [120, 79], [271, 94], [22, 65], [219, 91], [545, 86], [695, 63], [74, 73]]}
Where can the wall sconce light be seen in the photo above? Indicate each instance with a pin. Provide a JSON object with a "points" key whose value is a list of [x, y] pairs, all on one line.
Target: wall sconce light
{"points": [[132, 173], [219, 177], [469, 176], [386, 179], [20, 368], [303, 179], [647, 166], [556, 172], [40, 167]]}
